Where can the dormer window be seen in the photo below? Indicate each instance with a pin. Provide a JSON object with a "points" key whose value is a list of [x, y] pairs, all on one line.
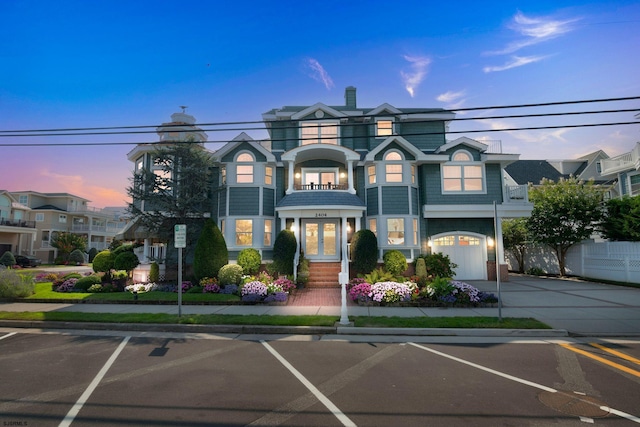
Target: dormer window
{"points": [[462, 174], [325, 132], [244, 168], [393, 170], [384, 128]]}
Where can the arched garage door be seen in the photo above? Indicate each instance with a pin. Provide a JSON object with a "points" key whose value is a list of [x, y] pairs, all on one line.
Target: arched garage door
{"points": [[468, 250]]}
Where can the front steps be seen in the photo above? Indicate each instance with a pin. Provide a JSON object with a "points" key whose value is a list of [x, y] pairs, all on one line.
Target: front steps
{"points": [[324, 275]]}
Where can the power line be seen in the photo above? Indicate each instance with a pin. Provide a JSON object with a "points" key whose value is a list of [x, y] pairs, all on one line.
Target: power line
{"points": [[97, 144], [76, 131]]}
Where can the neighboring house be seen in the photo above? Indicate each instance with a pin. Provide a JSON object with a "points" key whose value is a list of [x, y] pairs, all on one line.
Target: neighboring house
{"points": [[627, 169], [63, 212], [17, 229], [329, 171]]}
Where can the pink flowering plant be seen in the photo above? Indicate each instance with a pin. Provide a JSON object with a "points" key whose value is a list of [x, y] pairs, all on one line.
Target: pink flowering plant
{"points": [[360, 291], [285, 284]]}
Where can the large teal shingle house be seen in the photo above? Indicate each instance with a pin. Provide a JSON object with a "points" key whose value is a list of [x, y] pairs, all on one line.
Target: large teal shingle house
{"points": [[328, 171]]}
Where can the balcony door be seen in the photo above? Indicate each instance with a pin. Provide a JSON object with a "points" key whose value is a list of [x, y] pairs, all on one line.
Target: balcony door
{"points": [[320, 240]]}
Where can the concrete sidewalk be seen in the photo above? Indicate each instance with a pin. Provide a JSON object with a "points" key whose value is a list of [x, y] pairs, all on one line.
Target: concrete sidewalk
{"points": [[579, 307]]}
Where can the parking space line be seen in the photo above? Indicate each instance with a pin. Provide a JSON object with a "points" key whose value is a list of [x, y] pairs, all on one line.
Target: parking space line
{"points": [[521, 380], [602, 360], [8, 335], [317, 393], [73, 412], [616, 353]]}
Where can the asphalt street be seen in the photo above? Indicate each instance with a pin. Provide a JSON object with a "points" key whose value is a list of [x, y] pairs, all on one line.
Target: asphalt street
{"points": [[106, 378]]}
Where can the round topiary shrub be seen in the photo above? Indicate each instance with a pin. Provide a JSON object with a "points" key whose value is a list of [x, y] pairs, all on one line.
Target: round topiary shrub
{"points": [[249, 259], [103, 262], [7, 259], [364, 251], [126, 261], [395, 262], [84, 283], [76, 257], [421, 268], [230, 274], [284, 251]]}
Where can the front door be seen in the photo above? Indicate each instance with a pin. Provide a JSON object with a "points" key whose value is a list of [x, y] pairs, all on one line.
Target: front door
{"points": [[320, 240]]}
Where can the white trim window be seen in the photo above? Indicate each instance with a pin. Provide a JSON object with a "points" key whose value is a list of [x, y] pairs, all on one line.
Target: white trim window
{"points": [[371, 174], [244, 232], [393, 169], [39, 217], [373, 226], [62, 219], [384, 127], [268, 175], [634, 185], [395, 231], [244, 168], [268, 232], [462, 174], [325, 132], [320, 178]]}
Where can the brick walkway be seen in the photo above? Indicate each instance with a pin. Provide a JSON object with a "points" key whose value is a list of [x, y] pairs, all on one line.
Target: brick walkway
{"points": [[318, 297]]}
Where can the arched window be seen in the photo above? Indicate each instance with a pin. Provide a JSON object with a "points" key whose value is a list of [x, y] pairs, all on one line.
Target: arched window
{"points": [[393, 171], [462, 174], [244, 168]]}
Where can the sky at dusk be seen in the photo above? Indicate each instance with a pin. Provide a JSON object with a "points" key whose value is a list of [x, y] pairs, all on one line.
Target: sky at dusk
{"points": [[83, 64]]}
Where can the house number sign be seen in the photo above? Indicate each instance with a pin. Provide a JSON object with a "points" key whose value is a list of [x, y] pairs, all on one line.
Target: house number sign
{"points": [[321, 214]]}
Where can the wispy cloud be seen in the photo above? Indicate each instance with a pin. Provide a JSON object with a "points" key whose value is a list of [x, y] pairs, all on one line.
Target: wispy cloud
{"points": [[318, 73], [75, 184], [413, 78], [516, 61], [452, 99], [534, 30]]}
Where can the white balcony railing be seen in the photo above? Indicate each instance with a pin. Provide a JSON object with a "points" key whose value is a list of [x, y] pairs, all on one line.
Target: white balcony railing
{"points": [[516, 194], [621, 163]]}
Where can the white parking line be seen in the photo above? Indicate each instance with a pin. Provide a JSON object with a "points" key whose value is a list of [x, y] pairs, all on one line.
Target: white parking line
{"points": [[520, 380], [321, 397], [73, 412], [8, 335]]}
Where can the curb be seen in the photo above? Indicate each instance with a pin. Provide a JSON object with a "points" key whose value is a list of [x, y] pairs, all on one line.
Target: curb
{"points": [[282, 330]]}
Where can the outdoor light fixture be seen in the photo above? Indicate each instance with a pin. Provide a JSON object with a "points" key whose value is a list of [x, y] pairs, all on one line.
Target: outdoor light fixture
{"points": [[429, 242], [297, 175], [292, 228], [490, 241]]}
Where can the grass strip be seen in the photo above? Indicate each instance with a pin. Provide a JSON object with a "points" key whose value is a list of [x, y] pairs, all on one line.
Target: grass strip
{"points": [[277, 320]]}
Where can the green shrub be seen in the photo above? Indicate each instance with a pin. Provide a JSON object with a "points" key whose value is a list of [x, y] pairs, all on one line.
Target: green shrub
{"points": [[536, 271], [379, 275], [230, 274], [421, 268], [76, 257], [154, 272], [73, 275], [439, 265], [7, 259], [103, 262], [95, 289], [249, 259], [210, 253], [123, 248], [395, 262], [284, 251], [364, 251], [14, 285], [126, 261], [92, 254], [85, 283]]}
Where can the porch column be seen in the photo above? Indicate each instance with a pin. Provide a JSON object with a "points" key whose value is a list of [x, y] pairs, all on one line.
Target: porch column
{"points": [[145, 252], [499, 243], [343, 277], [290, 180], [352, 190]]}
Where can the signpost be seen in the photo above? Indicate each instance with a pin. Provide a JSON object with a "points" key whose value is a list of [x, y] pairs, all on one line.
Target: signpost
{"points": [[180, 242]]}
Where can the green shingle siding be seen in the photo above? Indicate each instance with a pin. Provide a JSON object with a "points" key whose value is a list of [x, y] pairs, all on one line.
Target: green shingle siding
{"points": [[415, 202], [222, 204], [268, 202], [424, 136], [242, 201], [395, 200], [372, 201]]}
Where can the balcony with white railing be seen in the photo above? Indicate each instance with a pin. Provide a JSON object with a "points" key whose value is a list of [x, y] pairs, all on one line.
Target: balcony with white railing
{"points": [[621, 163], [516, 194]]}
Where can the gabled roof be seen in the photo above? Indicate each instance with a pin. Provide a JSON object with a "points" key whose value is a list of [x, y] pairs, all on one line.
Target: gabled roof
{"points": [[463, 141], [239, 140], [524, 172], [371, 155], [318, 107], [384, 107], [48, 208]]}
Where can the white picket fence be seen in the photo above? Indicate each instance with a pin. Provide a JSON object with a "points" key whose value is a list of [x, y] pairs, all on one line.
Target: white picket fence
{"points": [[617, 261]]}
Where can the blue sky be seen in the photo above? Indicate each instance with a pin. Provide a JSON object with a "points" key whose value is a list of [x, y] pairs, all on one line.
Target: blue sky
{"points": [[75, 64]]}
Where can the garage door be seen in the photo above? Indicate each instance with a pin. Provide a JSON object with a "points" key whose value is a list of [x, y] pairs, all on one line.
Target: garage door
{"points": [[465, 250]]}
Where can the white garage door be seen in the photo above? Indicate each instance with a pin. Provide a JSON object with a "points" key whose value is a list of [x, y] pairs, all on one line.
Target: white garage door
{"points": [[466, 251]]}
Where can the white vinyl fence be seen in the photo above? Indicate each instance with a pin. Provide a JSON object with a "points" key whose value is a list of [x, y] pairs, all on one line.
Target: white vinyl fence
{"points": [[617, 261]]}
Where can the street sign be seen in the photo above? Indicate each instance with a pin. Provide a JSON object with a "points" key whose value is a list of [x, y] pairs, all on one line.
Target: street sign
{"points": [[180, 237]]}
